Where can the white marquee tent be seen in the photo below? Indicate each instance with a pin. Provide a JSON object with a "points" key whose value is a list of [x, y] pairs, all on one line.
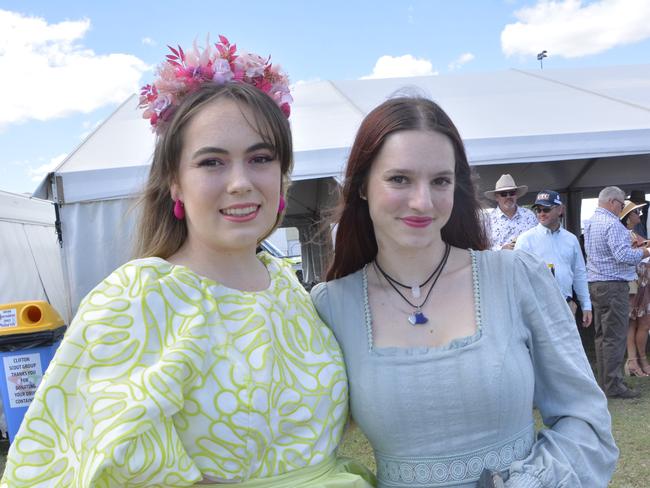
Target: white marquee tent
{"points": [[570, 130], [30, 256]]}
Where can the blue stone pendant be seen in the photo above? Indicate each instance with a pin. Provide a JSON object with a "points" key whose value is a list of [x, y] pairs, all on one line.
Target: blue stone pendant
{"points": [[417, 318]]}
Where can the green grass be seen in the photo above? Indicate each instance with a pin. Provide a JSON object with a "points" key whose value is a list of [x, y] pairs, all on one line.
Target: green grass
{"points": [[630, 425]]}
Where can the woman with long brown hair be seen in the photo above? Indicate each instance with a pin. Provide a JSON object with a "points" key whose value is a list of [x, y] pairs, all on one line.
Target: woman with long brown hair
{"points": [[202, 362], [448, 346]]}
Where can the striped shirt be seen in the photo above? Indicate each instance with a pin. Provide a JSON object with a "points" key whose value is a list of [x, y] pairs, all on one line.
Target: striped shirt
{"points": [[610, 256]]}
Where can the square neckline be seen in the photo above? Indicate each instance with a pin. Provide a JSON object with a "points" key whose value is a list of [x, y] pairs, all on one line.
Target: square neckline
{"points": [[456, 343]]}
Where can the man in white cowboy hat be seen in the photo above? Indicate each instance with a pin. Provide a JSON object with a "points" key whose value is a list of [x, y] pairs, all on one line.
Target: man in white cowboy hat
{"points": [[560, 250], [508, 219], [611, 265]]}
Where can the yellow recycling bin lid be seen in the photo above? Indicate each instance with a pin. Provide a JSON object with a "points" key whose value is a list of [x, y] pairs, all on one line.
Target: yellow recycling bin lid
{"points": [[29, 316]]}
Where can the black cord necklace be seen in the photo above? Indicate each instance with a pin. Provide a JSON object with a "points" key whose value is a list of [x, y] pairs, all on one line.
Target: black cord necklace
{"points": [[415, 289], [417, 317]]}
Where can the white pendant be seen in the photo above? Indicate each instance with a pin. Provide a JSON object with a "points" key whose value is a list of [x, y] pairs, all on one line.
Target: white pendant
{"points": [[415, 291]]}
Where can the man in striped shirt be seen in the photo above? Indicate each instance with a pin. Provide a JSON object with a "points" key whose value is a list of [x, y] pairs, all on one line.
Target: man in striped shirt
{"points": [[611, 264]]}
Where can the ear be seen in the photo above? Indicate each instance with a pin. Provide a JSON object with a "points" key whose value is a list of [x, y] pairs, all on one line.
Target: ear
{"points": [[175, 191], [362, 192]]}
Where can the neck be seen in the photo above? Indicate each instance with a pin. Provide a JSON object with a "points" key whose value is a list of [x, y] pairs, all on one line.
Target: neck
{"points": [[410, 267], [509, 212], [553, 227], [235, 268]]}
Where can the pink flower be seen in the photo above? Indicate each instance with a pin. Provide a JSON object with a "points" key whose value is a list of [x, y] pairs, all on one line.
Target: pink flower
{"points": [[182, 73], [222, 72]]}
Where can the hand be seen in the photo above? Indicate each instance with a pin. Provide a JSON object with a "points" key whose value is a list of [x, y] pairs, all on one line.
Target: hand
{"points": [[587, 317], [508, 246]]}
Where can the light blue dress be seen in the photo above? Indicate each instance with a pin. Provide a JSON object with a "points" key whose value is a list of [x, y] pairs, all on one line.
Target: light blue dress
{"points": [[436, 417]]}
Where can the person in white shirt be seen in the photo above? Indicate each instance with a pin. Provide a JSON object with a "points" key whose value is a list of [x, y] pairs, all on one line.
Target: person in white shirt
{"points": [[504, 224], [560, 250]]}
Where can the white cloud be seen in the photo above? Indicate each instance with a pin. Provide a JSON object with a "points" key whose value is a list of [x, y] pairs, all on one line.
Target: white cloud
{"points": [[47, 72], [571, 28], [148, 41], [411, 17], [400, 66], [460, 61], [37, 174]]}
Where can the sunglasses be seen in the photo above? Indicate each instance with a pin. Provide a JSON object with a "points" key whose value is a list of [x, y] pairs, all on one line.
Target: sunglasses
{"points": [[543, 209], [508, 193]]}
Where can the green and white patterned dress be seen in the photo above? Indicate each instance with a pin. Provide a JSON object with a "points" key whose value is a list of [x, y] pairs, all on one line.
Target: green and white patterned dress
{"points": [[166, 378]]}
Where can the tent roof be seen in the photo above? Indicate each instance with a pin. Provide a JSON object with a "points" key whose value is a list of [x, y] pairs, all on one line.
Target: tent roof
{"points": [[505, 117]]}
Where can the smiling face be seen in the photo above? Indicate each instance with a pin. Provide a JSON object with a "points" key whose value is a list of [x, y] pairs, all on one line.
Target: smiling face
{"points": [[229, 179], [549, 217], [410, 189]]}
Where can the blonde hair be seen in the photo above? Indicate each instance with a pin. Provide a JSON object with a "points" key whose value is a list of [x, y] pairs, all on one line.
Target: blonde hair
{"points": [[158, 232]]}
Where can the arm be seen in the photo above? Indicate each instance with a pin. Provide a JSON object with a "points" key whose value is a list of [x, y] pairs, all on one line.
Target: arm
{"points": [[103, 413], [580, 284], [619, 242], [577, 449]]}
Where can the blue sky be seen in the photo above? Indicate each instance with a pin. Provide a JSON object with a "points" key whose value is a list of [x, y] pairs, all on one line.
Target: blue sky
{"points": [[65, 66]]}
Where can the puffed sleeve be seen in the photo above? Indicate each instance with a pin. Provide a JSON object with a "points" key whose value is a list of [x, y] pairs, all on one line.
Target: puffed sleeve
{"points": [[102, 416], [320, 298], [577, 448]]}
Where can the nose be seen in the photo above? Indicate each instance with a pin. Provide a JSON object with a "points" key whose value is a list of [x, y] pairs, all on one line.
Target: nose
{"points": [[239, 180], [421, 198]]}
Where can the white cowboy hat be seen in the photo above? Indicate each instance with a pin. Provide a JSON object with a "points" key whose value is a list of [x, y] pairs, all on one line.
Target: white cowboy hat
{"points": [[506, 183]]}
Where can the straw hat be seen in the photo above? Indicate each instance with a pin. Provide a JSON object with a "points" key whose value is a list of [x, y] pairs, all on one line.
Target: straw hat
{"points": [[506, 183], [629, 206]]}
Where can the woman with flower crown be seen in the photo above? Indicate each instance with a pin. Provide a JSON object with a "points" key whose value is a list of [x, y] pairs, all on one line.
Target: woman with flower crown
{"points": [[447, 346], [201, 362]]}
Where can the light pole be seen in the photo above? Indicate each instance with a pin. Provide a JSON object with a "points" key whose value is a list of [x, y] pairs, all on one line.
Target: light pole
{"points": [[540, 58]]}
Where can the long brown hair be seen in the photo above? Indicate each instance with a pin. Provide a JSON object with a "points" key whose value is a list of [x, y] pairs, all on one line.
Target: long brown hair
{"points": [[355, 237], [159, 233]]}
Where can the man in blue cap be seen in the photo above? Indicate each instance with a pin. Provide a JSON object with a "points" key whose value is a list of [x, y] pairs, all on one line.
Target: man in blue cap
{"points": [[560, 250]]}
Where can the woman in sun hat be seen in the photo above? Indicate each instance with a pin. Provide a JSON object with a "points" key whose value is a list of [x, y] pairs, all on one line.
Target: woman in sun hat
{"points": [[507, 220], [201, 362], [637, 333]]}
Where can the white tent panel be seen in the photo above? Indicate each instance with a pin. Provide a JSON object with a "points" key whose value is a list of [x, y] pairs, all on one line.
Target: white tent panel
{"points": [[98, 238], [30, 258]]}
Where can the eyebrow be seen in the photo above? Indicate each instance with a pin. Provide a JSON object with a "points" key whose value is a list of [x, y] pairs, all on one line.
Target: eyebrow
{"points": [[219, 150], [408, 172]]}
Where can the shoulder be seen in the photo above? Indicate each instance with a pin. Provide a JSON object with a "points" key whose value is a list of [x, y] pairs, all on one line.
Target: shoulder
{"points": [[140, 272], [528, 234], [340, 286], [502, 264], [148, 280]]}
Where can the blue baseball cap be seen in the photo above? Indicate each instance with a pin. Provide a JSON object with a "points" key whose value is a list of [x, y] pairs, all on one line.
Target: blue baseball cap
{"points": [[547, 198]]}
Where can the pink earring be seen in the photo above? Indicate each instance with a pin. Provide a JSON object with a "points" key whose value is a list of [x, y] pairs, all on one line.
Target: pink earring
{"points": [[179, 210], [282, 204]]}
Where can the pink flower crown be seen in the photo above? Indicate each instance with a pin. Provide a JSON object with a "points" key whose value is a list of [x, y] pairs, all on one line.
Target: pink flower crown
{"points": [[183, 73]]}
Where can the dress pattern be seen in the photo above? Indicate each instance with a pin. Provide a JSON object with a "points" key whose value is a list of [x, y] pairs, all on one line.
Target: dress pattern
{"points": [[640, 301], [166, 377]]}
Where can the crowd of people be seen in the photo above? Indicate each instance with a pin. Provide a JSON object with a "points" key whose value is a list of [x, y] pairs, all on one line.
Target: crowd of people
{"points": [[203, 362], [610, 288]]}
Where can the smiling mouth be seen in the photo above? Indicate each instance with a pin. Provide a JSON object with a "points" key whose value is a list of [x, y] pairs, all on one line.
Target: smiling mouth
{"points": [[241, 211]]}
